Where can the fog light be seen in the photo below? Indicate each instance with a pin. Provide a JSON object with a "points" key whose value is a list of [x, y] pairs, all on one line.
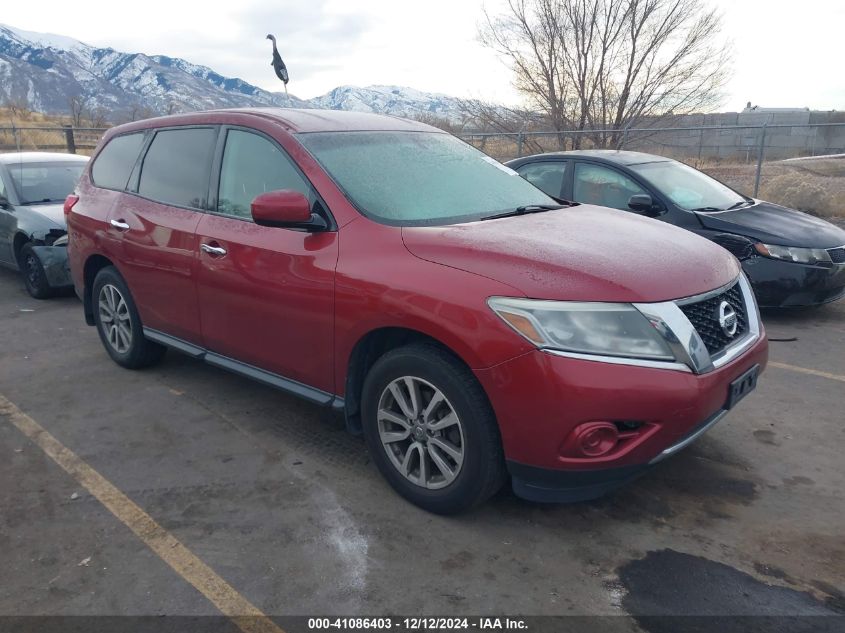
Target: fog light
{"points": [[595, 439]]}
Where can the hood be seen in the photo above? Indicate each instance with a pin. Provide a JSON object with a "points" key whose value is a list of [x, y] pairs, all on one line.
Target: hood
{"points": [[53, 212], [583, 253], [773, 224]]}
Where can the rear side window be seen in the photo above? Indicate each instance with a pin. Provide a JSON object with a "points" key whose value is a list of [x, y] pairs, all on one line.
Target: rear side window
{"points": [[177, 165], [252, 165], [547, 176], [114, 164]]}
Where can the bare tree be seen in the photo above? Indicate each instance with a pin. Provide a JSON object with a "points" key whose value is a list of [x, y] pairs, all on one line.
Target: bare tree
{"points": [[78, 104], [98, 117], [611, 64]]}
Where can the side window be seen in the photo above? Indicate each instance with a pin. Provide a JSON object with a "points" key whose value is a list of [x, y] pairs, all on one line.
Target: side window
{"points": [[253, 165], [603, 186], [114, 164], [548, 176], [2, 187], [177, 167]]}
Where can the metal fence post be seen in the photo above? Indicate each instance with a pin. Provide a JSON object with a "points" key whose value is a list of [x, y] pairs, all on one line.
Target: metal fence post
{"points": [[760, 153], [71, 142], [519, 145], [700, 144]]}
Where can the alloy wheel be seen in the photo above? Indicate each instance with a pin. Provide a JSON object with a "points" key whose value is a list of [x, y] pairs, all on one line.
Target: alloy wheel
{"points": [[115, 319], [421, 432]]}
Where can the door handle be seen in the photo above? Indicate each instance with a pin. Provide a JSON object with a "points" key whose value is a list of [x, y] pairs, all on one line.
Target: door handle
{"points": [[213, 250], [120, 225]]}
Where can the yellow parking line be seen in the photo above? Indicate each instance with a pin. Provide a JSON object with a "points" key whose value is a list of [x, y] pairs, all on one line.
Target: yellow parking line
{"points": [[804, 370], [232, 604]]}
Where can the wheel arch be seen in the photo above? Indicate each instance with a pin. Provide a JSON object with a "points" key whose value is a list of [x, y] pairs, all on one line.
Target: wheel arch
{"points": [[18, 243], [366, 351], [93, 265]]}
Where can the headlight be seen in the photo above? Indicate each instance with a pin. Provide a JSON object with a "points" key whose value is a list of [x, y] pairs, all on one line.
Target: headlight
{"points": [[609, 329], [794, 254]]}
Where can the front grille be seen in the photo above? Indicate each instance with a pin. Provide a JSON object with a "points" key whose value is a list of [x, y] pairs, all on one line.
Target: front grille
{"points": [[837, 255], [704, 316]]}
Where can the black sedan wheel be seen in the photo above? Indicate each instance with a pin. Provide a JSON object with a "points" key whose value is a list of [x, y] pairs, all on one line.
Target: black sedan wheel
{"points": [[34, 276]]}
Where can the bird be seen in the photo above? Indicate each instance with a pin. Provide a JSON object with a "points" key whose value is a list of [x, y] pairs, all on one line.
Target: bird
{"points": [[277, 63]]}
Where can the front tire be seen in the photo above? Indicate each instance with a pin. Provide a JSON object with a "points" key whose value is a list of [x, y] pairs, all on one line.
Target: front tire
{"points": [[118, 323], [431, 430], [34, 277]]}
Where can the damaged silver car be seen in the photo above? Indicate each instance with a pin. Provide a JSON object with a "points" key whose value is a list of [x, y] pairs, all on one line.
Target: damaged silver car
{"points": [[33, 234]]}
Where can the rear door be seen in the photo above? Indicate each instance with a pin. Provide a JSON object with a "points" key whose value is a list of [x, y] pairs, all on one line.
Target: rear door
{"points": [[266, 295], [156, 228]]}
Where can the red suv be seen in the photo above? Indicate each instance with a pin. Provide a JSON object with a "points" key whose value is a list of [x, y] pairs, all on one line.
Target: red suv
{"points": [[469, 325]]}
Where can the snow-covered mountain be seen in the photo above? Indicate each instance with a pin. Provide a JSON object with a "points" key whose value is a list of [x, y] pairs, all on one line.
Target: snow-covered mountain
{"points": [[45, 71], [396, 100]]}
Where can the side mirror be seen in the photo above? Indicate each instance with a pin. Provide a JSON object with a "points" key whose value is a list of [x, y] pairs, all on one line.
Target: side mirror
{"points": [[643, 203], [4, 203], [285, 209]]}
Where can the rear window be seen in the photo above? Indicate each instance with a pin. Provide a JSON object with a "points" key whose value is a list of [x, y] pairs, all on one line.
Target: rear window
{"points": [[114, 164], [177, 165], [45, 182]]}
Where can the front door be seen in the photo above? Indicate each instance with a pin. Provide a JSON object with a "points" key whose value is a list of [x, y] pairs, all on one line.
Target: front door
{"points": [[266, 295]]}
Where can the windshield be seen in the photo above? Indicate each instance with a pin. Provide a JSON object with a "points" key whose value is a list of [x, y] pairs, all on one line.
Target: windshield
{"points": [[45, 182], [687, 187], [419, 178]]}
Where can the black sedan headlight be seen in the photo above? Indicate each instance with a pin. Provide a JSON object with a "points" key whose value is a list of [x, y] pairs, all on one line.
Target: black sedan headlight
{"points": [[794, 253]]}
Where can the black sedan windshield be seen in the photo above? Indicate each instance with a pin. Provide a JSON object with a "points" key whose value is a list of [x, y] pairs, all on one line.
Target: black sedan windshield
{"points": [[45, 182], [688, 188], [420, 178]]}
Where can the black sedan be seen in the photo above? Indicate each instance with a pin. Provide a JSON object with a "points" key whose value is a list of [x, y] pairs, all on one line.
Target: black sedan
{"points": [[33, 234], [791, 258]]}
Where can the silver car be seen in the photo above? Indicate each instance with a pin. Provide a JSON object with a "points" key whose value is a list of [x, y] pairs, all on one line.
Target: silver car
{"points": [[33, 234]]}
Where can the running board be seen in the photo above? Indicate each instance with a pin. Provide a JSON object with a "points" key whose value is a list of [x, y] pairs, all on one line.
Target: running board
{"points": [[287, 385]]}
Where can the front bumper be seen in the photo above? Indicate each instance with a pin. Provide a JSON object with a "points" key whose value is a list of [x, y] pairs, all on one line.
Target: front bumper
{"points": [[540, 399], [562, 486], [56, 265], [781, 284]]}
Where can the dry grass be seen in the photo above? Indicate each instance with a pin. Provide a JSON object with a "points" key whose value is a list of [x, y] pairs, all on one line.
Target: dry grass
{"points": [[48, 137], [814, 186]]}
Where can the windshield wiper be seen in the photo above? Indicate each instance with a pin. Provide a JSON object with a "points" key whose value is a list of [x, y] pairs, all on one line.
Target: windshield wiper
{"points": [[524, 210], [708, 209], [739, 204]]}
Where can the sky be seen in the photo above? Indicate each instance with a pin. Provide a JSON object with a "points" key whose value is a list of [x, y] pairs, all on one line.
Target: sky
{"points": [[786, 54]]}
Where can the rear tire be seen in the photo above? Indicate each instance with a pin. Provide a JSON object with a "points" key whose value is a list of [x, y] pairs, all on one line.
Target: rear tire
{"points": [[33, 273], [118, 323], [419, 403]]}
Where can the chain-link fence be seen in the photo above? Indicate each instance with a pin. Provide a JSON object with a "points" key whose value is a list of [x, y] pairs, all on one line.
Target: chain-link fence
{"points": [[792, 164], [65, 139]]}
